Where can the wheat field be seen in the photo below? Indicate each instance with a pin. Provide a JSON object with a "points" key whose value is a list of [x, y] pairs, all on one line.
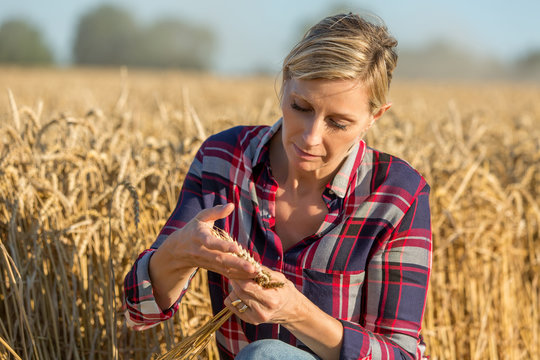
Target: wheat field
{"points": [[92, 160]]}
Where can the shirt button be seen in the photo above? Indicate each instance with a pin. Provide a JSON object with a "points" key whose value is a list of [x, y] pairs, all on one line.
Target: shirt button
{"points": [[279, 258]]}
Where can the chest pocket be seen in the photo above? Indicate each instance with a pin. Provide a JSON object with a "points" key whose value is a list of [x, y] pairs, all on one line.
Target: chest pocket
{"points": [[336, 293]]}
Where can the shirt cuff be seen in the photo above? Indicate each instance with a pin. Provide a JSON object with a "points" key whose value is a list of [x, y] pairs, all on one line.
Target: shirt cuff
{"points": [[359, 343], [141, 308], [356, 342]]}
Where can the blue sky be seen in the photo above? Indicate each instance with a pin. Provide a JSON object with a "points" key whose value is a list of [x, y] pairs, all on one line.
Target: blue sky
{"points": [[257, 34]]}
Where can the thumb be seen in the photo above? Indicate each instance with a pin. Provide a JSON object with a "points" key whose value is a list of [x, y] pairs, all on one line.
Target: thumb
{"points": [[215, 213]]}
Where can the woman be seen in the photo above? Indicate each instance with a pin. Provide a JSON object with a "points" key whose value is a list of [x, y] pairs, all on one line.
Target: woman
{"points": [[344, 226]]}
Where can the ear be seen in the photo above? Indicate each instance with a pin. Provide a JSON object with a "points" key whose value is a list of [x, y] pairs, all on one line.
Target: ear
{"points": [[376, 116], [380, 112]]}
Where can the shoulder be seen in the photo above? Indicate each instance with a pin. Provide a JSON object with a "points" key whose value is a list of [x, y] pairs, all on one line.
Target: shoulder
{"points": [[390, 173], [236, 137], [232, 145]]}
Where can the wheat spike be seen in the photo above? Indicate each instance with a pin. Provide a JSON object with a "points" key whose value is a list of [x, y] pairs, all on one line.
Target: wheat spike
{"points": [[263, 278]]}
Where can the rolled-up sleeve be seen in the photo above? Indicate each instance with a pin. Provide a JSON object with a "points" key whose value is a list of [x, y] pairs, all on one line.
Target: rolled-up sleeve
{"points": [[140, 307], [395, 291]]}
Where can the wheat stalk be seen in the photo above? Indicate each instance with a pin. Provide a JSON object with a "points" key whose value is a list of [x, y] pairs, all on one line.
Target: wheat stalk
{"points": [[192, 346], [6, 345], [133, 193]]}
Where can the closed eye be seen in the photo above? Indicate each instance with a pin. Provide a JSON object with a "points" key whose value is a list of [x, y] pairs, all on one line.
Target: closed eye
{"points": [[337, 125], [331, 122], [297, 107]]}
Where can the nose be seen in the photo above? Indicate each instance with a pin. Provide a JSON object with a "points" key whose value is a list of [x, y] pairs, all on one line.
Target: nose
{"points": [[313, 131]]}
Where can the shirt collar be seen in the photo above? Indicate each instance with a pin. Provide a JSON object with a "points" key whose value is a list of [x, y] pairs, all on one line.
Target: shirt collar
{"points": [[347, 172], [262, 147]]}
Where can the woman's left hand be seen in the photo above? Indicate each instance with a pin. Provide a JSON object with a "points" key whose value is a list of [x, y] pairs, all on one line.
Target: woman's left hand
{"points": [[287, 306], [276, 305]]}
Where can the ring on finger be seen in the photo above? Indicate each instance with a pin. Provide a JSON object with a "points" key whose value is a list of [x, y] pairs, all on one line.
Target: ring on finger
{"points": [[237, 302]]}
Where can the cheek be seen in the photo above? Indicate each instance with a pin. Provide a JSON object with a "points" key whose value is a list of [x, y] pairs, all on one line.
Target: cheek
{"points": [[291, 122], [341, 145], [288, 113]]}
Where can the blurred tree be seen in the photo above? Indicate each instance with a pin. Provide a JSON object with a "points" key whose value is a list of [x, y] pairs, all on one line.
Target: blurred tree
{"points": [[110, 36], [446, 60], [105, 36], [529, 63], [174, 43], [22, 43], [527, 67]]}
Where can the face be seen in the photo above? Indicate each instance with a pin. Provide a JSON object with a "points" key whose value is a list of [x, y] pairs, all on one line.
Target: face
{"points": [[322, 120]]}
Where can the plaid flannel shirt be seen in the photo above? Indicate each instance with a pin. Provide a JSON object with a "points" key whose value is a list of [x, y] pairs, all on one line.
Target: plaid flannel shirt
{"points": [[368, 265]]}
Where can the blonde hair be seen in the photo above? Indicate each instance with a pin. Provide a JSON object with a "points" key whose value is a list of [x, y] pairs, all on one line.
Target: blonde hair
{"points": [[346, 46]]}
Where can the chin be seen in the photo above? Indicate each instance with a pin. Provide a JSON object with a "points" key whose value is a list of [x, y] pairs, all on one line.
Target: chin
{"points": [[308, 166]]}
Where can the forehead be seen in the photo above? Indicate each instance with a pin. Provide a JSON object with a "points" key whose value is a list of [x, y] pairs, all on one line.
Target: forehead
{"points": [[341, 92]]}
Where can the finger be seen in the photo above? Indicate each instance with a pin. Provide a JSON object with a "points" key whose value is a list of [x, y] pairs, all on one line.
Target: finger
{"points": [[236, 301], [224, 263], [246, 289], [220, 256], [233, 309], [233, 302], [213, 242], [235, 267], [251, 291], [215, 213], [237, 306], [229, 299]]}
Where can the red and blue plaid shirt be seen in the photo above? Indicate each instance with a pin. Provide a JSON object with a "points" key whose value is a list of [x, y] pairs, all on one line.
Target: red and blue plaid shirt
{"points": [[368, 265]]}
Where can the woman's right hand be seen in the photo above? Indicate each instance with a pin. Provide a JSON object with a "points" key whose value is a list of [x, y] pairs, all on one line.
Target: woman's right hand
{"points": [[195, 246]]}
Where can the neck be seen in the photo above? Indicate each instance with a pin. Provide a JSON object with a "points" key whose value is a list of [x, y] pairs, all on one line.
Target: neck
{"points": [[293, 179]]}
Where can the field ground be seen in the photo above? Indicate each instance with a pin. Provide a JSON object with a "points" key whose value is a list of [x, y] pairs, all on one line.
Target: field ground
{"points": [[69, 138]]}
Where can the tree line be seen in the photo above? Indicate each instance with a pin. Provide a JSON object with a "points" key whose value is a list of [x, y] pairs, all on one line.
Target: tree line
{"points": [[110, 35]]}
